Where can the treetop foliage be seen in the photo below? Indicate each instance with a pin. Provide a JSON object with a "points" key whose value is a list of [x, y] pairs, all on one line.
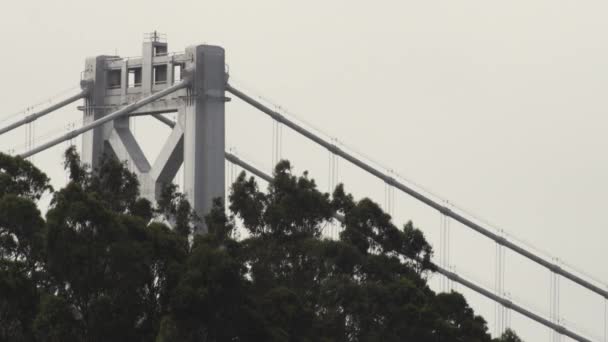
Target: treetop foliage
{"points": [[107, 265]]}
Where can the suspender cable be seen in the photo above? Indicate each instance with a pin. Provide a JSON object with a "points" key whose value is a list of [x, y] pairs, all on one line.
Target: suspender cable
{"points": [[336, 228], [444, 247], [27, 137], [329, 227], [556, 313], [332, 181], [497, 331], [417, 195], [503, 289], [273, 147], [552, 304], [277, 139], [330, 186], [32, 137], [448, 274], [605, 317], [389, 198], [107, 118], [499, 279], [45, 111], [448, 245]]}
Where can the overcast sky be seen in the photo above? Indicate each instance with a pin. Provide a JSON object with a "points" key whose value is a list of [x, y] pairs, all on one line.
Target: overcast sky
{"points": [[497, 106]]}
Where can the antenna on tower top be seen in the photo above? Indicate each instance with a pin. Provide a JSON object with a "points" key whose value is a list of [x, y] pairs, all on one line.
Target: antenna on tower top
{"points": [[155, 37]]}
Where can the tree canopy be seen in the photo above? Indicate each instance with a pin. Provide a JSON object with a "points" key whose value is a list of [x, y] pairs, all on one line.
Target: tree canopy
{"points": [[105, 265]]}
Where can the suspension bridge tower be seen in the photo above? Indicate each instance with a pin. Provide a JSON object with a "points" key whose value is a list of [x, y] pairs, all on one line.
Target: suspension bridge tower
{"points": [[198, 137]]}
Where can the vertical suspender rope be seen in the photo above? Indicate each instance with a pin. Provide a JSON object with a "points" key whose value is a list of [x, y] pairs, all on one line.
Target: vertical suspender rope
{"points": [[443, 251], [273, 147], [25, 137], [448, 245], [502, 286], [26, 133], [441, 256], [329, 178], [605, 317], [551, 305], [444, 257], [554, 305], [333, 169], [557, 303], [386, 201], [446, 249], [32, 137], [389, 198], [440, 261], [506, 310], [497, 291], [499, 278], [277, 138], [335, 181], [67, 145], [327, 229], [500, 307], [280, 143]]}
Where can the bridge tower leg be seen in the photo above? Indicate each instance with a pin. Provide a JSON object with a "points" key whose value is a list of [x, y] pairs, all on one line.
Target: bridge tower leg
{"points": [[93, 140], [204, 130]]}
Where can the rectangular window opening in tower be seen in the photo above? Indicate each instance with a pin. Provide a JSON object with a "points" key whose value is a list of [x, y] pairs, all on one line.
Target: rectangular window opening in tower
{"points": [[178, 72], [113, 79], [160, 74], [134, 78], [160, 50]]}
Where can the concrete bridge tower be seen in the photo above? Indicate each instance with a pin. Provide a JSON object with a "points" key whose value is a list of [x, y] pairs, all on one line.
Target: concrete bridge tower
{"points": [[198, 138]]}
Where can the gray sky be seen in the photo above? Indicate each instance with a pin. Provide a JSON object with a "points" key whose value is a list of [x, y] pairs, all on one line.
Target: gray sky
{"points": [[497, 106]]}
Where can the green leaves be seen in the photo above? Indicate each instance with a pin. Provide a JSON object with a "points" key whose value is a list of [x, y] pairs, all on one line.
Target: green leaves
{"points": [[508, 336], [95, 270], [293, 205], [21, 178], [18, 302], [104, 265], [21, 229], [174, 207], [56, 321], [22, 245]]}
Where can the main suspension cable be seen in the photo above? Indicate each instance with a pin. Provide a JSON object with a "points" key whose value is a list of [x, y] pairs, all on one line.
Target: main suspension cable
{"points": [[416, 194]]}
